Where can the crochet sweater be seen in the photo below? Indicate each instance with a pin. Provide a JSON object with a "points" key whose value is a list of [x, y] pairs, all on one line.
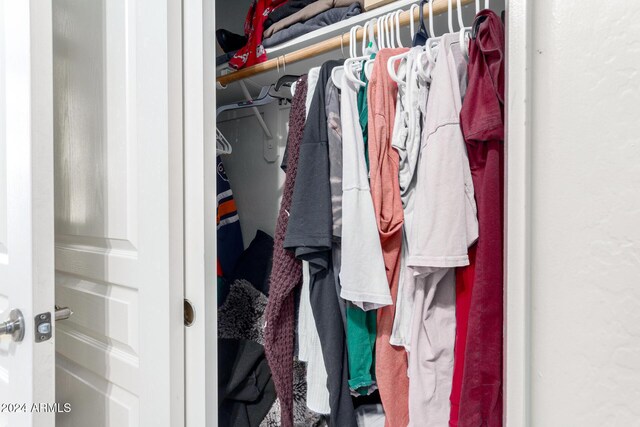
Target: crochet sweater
{"points": [[286, 273]]}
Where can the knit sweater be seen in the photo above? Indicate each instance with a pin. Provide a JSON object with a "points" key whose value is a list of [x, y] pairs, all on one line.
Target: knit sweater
{"points": [[286, 273]]}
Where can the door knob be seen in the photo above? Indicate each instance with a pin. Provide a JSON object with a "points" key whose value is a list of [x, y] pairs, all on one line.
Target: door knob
{"points": [[14, 326]]}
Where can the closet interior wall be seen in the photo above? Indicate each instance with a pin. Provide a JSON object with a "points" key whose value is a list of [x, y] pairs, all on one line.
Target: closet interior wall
{"points": [[256, 183]]}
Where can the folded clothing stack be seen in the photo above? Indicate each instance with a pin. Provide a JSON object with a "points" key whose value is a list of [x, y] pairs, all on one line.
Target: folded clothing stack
{"points": [[284, 10], [266, 19], [319, 20]]}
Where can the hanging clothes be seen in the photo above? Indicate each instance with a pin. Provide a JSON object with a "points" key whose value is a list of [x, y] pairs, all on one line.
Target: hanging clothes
{"points": [[229, 233], [391, 362], [363, 112], [363, 278], [309, 235], [464, 287], [446, 227], [482, 119], [309, 348], [286, 274], [406, 140], [334, 147]]}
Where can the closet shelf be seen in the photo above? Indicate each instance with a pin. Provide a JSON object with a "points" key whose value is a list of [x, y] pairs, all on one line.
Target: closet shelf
{"points": [[328, 39]]}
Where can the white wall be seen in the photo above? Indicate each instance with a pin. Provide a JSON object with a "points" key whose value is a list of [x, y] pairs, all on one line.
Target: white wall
{"points": [[585, 271], [256, 183], [230, 15]]}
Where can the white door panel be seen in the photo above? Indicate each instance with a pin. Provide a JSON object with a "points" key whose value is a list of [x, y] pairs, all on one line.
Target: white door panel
{"points": [[118, 211], [26, 208]]}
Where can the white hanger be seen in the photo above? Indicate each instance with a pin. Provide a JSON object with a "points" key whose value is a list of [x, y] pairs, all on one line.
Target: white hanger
{"points": [[464, 31], [385, 31], [459, 14], [372, 39], [380, 35], [222, 145], [391, 36], [337, 72], [486, 5], [412, 27], [391, 69], [353, 42], [396, 15], [350, 62], [432, 42], [450, 16], [382, 44], [431, 30]]}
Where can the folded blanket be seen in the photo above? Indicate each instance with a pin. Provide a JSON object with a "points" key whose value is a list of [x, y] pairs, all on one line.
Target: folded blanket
{"points": [[305, 14], [323, 19], [286, 9]]}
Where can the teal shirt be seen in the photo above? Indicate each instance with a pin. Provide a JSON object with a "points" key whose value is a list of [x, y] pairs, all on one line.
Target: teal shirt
{"points": [[361, 325], [363, 111]]}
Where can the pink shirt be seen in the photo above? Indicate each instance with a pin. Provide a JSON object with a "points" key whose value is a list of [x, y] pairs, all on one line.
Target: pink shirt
{"points": [[391, 361]]}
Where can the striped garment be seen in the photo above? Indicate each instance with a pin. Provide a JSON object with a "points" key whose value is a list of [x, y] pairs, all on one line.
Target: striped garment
{"points": [[229, 234]]}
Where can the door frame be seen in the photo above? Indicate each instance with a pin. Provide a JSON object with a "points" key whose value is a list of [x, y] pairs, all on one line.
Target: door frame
{"points": [[517, 309], [28, 75], [200, 242], [199, 70]]}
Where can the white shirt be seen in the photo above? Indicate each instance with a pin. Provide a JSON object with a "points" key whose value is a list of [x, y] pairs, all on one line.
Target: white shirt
{"points": [[411, 102], [447, 222], [362, 276]]}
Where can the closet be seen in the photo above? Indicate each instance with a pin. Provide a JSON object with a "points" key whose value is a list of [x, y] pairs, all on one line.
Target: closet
{"points": [[108, 204], [257, 145]]}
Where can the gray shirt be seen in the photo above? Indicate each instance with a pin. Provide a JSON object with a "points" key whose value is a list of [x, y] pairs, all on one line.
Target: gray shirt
{"points": [[310, 236], [334, 134]]}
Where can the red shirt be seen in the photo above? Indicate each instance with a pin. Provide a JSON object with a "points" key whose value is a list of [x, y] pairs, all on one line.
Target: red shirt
{"points": [[482, 121]]}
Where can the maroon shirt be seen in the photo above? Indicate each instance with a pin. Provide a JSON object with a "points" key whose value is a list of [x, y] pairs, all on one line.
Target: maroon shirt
{"points": [[482, 121]]}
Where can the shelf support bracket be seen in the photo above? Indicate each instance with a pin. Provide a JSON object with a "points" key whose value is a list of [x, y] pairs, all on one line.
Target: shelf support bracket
{"points": [[269, 148]]}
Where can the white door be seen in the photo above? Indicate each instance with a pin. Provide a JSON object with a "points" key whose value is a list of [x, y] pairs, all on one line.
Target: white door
{"points": [[26, 212], [117, 71]]}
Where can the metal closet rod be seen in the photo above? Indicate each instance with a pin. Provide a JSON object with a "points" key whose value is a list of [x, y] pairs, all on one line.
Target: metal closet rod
{"points": [[336, 42]]}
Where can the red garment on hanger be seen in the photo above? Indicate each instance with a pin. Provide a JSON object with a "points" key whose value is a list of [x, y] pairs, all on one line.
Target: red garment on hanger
{"points": [[253, 52], [464, 289], [482, 122]]}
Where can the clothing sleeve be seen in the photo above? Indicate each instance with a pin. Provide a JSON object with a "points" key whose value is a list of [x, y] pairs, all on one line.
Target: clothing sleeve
{"points": [[445, 223], [334, 135], [310, 223]]}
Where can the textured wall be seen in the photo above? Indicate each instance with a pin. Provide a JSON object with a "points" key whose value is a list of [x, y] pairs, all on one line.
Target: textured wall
{"points": [[586, 214]]}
